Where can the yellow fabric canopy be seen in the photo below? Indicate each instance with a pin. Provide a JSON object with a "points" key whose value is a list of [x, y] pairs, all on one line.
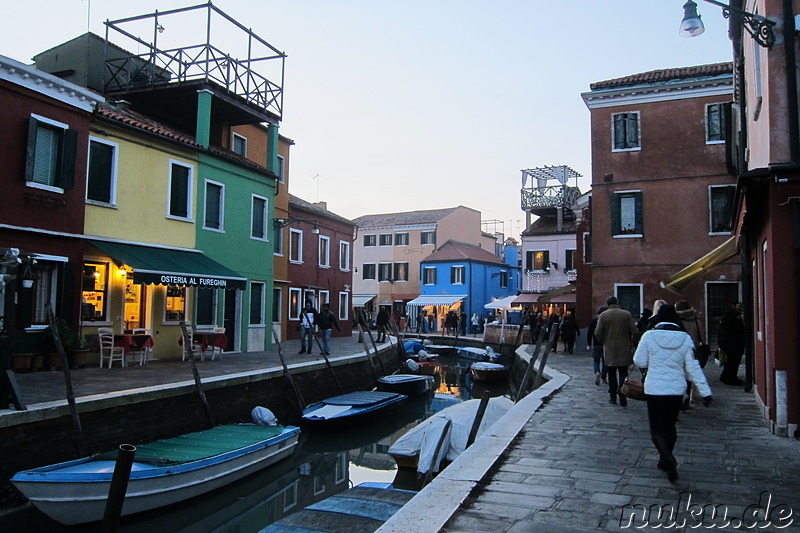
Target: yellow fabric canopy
{"points": [[678, 281]]}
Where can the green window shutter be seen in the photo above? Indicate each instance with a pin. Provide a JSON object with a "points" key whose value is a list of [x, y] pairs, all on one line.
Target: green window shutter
{"points": [[30, 154], [619, 131], [615, 215], [632, 130], [101, 157], [546, 260], [66, 167], [639, 213]]}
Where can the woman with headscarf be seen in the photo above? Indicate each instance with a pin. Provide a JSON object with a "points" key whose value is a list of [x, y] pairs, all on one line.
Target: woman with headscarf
{"points": [[666, 352]]}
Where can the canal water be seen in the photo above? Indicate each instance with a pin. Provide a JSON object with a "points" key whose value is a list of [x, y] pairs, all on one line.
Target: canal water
{"points": [[324, 463]]}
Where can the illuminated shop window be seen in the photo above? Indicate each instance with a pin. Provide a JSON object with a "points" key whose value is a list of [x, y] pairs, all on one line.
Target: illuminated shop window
{"points": [[95, 290], [175, 310]]}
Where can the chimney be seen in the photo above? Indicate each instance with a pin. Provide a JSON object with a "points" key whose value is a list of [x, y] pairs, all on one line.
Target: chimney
{"points": [[322, 205]]}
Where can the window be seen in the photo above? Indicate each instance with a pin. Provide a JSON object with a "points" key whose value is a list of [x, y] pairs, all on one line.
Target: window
{"points": [[457, 275], [385, 239], [538, 260], [369, 240], [206, 306], [258, 218], [626, 213], [50, 157], [277, 304], [429, 276], [630, 298], [175, 309], [427, 237], [295, 245], [503, 279], [368, 271], [715, 123], [385, 272], [45, 290], [626, 131], [290, 496], [215, 194], [277, 240], [569, 260], [256, 303], [401, 239], [101, 176], [95, 292], [344, 305], [319, 485], [721, 208], [344, 255], [401, 271], [180, 190], [324, 251], [281, 169], [239, 144], [295, 304]]}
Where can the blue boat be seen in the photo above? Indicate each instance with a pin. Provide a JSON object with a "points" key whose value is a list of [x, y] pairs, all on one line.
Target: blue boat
{"points": [[475, 354], [351, 408]]}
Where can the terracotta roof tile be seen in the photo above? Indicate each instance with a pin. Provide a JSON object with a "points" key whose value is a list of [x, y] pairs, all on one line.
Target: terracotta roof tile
{"points": [[664, 75], [318, 209], [401, 219], [136, 120], [461, 251], [549, 226]]}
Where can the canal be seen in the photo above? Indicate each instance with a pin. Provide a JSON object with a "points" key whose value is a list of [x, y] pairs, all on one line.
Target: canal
{"points": [[324, 463]]}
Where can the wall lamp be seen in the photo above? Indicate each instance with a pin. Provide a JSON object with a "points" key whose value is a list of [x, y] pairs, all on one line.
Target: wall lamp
{"points": [[279, 223], [760, 28]]}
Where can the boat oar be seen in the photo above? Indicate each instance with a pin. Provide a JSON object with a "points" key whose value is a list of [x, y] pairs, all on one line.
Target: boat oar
{"points": [[324, 355], [118, 488], [286, 373], [473, 433], [73, 409], [198, 385]]}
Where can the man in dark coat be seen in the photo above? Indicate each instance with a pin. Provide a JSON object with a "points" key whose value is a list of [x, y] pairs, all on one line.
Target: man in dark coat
{"points": [[731, 341], [617, 330], [326, 320], [383, 324], [569, 331]]}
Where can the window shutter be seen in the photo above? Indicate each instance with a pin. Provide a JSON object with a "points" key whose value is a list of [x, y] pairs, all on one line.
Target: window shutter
{"points": [[619, 131], [632, 130], [66, 180], [546, 260], [30, 154], [615, 215], [452, 275], [639, 213]]}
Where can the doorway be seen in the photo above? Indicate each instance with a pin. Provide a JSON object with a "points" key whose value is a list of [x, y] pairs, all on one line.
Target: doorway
{"points": [[231, 319]]}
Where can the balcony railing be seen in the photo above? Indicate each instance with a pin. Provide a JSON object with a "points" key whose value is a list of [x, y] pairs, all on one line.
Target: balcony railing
{"points": [[549, 197]]}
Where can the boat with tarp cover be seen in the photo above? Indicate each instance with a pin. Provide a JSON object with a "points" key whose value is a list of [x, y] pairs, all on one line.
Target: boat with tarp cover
{"points": [[351, 408], [163, 472]]}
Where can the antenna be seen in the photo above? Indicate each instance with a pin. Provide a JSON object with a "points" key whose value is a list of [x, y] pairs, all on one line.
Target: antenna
{"points": [[316, 177]]}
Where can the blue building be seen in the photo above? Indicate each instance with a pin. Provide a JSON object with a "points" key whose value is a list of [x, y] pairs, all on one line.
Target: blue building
{"points": [[463, 278]]}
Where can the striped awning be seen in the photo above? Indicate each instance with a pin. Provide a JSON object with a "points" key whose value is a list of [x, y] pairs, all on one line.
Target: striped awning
{"points": [[360, 300], [502, 303], [444, 299]]}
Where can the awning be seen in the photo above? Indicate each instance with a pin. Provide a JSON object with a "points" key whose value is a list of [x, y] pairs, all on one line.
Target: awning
{"points": [[565, 294], [678, 281], [527, 298], [164, 266], [360, 300], [502, 303], [436, 300]]}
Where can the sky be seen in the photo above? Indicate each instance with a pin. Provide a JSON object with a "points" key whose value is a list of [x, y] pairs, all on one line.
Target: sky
{"points": [[424, 104]]}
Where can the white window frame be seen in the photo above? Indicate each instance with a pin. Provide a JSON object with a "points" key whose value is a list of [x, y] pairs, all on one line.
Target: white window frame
{"points": [[385, 265], [384, 236], [324, 252], [114, 171], [374, 271], [294, 314], [458, 271], [721, 106], [344, 256], [189, 191], [277, 241], [299, 234], [239, 136], [281, 168], [262, 304], [277, 296], [425, 276], [503, 279], [324, 297], [372, 238], [290, 496], [638, 146], [405, 238], [425, 233], [55, 124], [408, 269], [574, 260], [265, 219], [221, 205], [344, 305], [711, 209], [641, 291]]}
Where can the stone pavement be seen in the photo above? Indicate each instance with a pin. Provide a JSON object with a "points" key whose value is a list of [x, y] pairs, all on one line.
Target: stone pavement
{"points": [[578, 461]]}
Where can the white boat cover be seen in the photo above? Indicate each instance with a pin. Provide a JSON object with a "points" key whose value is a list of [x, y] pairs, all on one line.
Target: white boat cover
{"points": [[424, 438], [487, 366], [328, 411]]}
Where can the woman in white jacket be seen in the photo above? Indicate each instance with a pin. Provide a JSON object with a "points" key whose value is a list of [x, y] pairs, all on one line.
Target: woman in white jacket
{"points": [[666, 353]]}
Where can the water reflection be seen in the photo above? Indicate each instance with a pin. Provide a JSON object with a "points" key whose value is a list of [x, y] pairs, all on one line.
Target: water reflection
{"points": [[325, 463]]}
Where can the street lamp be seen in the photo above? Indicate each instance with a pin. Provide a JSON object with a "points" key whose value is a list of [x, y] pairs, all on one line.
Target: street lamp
{"points": [[279, 223], [759, 27]]}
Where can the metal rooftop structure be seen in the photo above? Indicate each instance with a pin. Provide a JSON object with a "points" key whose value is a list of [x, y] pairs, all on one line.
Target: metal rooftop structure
{"points": [[545, 189], [181, 51]]}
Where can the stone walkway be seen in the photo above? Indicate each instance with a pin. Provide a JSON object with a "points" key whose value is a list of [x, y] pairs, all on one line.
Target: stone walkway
{"points": [[580, 464]]}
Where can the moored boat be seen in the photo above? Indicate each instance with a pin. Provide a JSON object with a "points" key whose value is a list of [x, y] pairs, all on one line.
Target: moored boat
{"points": [[429, 368], [163, 472], [469, 352], [483, 371], [350, 408], [408, 384]]}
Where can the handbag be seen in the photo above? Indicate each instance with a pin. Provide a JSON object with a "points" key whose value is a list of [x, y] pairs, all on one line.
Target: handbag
{"points": [[702, 352], [633, 389]]}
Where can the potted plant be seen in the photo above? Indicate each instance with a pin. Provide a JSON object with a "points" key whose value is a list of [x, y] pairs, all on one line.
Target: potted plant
{"points": [[21, 362], [74, 344]]}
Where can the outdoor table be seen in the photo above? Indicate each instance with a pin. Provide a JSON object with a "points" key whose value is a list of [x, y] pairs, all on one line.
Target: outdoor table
{"points": [[208, 338], [137, 341]]}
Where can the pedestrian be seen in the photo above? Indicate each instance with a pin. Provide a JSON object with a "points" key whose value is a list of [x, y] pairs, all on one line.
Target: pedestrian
{"points": [[666, 353], [476, 323], [731, 341], [569, 332], [689, 323], [383, 323], [651, 322], [462, 323], [552, 323], [641, 325], [326, 320], [600, 371], [451, 323], [308, 317], [421, 322], [617, 330]]}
